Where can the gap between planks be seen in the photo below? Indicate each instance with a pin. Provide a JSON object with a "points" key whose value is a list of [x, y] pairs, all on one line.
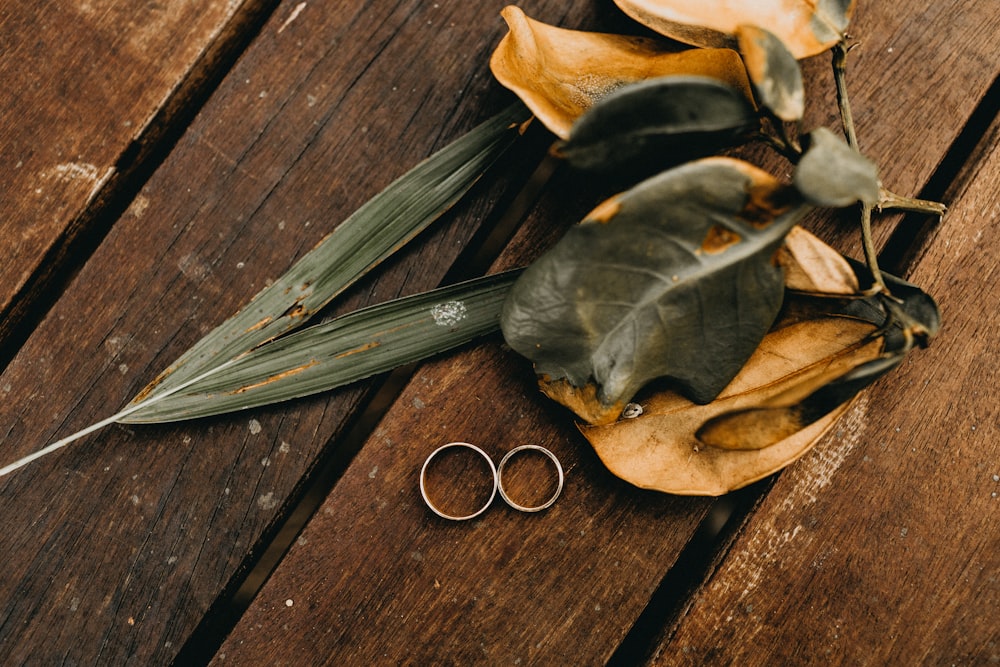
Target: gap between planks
{"points": [[718, 530], [913, 231], [125, 180], [475, 260], [728, 515]]}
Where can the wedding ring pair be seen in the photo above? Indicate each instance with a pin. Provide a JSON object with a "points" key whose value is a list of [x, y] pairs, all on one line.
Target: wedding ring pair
{"points": [[497, 475]]}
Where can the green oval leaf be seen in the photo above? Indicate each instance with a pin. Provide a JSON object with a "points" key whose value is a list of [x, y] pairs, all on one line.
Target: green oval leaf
{"points": [[662, 121], [673, 278], [831, 173]]}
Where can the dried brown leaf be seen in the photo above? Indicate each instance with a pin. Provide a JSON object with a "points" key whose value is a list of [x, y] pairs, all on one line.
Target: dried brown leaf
{"points": [[661, 450], [813, 266], [807, 27], [561, 73]]}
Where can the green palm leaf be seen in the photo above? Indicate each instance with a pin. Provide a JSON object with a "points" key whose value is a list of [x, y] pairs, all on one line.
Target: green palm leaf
{"points": [[370, 235], [247, 361], [345, 349]]}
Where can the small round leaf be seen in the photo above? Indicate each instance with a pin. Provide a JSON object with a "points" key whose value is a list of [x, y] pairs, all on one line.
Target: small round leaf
{"points": [[831, 173]]}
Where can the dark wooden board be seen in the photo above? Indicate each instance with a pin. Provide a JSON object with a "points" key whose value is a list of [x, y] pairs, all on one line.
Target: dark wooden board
{"points": [[116, 548], [882, 546], [90, 90], [377, 578]]}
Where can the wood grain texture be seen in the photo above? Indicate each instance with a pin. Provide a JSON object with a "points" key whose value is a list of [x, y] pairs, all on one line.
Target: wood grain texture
{"points": [[881, 546], [911, 88], [117, 547], [376, 578], [91, 88]]}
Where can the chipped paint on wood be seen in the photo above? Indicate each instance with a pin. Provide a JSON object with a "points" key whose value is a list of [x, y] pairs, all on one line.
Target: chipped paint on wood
{"points": [[766, 545]]}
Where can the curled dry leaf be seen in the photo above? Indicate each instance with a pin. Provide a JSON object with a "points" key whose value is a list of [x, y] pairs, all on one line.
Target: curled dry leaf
{"points": [[807, 27], [814, 267], [806, 372], [774, 72], [661, 450], [561, 73]]}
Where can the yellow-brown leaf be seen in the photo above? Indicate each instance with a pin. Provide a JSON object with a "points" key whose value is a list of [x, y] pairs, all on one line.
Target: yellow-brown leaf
{"points": [[813, 266], [660, 449], [560, 73], [806, 27]]}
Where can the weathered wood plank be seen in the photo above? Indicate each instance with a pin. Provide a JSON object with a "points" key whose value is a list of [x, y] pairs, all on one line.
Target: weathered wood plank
{"points": [[287, 146], [91, 90], [117, 547], [882, 545], [375, 577]]}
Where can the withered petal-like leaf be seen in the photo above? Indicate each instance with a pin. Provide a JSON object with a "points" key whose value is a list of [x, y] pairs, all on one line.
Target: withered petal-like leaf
{"points": [[807, 371], [782, 416], [660, 449], [814, 267], [779, 416], [659, 122], [673, 278], [831, 173], [561, 73], [807, 27], [774, 72]]}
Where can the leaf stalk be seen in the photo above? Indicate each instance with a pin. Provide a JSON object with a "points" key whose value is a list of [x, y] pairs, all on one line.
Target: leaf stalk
{"points": [[847, 120]]}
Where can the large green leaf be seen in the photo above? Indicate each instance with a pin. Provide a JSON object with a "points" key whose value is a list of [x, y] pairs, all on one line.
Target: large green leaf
{"points": [[662, 121], [345, 349], [367, 237], [673, 278]]}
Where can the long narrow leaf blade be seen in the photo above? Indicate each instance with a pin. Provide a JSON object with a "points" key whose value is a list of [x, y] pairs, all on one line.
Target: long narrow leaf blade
{"points": [[348, 348], [376, 230]]}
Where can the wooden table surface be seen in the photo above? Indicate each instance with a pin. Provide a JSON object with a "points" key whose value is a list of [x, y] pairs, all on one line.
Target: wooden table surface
{"points": [[161, 162]]}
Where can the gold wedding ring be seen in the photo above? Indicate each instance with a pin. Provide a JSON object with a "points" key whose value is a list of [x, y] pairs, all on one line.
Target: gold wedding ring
{"points": [[530, 448], [423, 481], [497, 473]]}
